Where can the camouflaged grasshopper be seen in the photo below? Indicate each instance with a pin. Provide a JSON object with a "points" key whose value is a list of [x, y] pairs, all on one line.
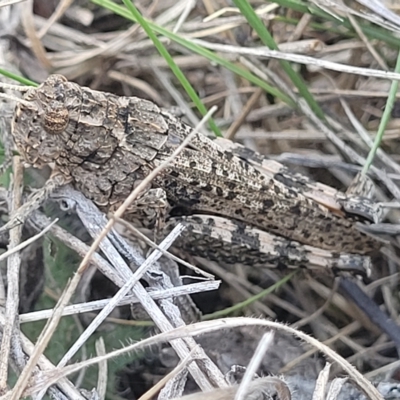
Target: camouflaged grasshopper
{"points": [[236, 208]]}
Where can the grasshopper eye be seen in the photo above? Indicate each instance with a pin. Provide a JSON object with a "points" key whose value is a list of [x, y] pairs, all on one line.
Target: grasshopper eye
{"points": [[56, 118]]}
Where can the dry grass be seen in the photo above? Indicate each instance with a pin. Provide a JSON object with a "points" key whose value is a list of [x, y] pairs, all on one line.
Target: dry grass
{"points": [[346, 56]]}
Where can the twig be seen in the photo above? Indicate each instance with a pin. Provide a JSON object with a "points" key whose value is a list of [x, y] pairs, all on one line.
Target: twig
{"points": [[102, 379], [80, 308], [227, 323], [148, 241], [166, 379], [122, 292], [11, 324], [255, 362], [266, 53], [65, 386], [27, 242]]}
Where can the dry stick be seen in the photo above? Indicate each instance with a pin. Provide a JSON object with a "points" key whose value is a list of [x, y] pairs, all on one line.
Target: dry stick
{"points": [[162, 382], [13, 266], [255, 362], [4, 3], [65, 386], [257, 389], [14, 98], [8, 146], [136, 232], [35, 200], [110, 48], [29, 28], [122, 292], [28, 241], [186, 11], [151, 92], [225, 323], [230, 133], [322, 381], [266, 53], [101, 386], [367, 43], [335, 388], [20, 354], [57, 14], [386, 370], [176, 385], [340, 335], [94, 221], [107, 270], [16, 88], [91, 306], [378, 7], [52, 323], [40, 220]]}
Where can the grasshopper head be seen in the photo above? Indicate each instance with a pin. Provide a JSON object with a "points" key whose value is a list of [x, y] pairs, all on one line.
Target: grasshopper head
{"points": [[39, 123]]}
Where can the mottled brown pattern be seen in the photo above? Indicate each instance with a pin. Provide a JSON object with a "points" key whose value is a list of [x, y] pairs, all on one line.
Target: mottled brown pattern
{"points": [[217, 238], [106, 144]]}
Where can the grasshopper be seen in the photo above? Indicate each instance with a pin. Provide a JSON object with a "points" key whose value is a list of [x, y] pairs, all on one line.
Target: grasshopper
{"points": [[106, 144]]}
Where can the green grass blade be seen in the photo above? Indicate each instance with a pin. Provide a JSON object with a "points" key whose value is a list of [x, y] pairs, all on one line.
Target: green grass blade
{"points": [[200, 50], [250, 300], [171, 63], [17, 78], [385, 119], [256, 23], [373, 32]]}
